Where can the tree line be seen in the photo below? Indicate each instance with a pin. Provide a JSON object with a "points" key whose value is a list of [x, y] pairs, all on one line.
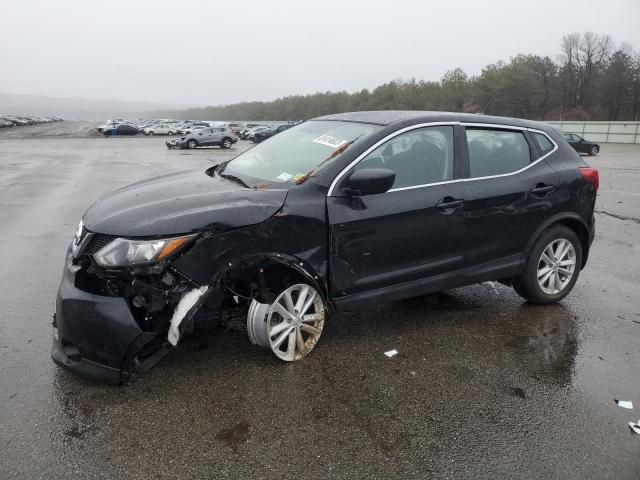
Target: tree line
{"points": [[592, 78]]}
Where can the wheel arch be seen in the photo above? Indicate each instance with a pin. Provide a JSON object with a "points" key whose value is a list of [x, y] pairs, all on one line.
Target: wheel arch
{"points": [[257, 261], [217, 288], [568, 219]]}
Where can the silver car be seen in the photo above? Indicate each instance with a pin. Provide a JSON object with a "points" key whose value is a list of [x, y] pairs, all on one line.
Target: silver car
{"points": [[205, 137]]}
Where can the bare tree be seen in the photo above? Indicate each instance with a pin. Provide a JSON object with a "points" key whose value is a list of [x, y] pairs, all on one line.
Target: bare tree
{"points": [[593, 50], [569, 45]]}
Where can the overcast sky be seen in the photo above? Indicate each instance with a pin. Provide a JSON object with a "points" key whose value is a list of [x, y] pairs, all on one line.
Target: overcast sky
{"points": [[218, 52]]}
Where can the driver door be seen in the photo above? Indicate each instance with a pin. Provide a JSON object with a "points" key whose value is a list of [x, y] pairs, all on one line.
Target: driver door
{"points": [[409, 233]]}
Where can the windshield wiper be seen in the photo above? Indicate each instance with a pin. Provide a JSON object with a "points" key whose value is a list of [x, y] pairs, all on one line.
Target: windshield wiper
{"points": [[233, 178]]}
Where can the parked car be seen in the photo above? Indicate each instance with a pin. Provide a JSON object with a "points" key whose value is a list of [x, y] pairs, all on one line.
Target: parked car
{"points": [[109, 125], [264, 134], [339, 212], [122, 129], [193, 126], [581, 145], [7, 121], [245, 131], [250, 134], [205, 137], [236, 127], [160, 129]]}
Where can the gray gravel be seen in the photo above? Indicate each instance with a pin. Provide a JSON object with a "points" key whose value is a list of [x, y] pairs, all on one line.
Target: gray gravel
{"points": [[484, 386]]}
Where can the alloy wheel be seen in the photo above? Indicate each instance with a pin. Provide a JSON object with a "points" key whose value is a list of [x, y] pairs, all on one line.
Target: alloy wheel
{"points": [[556, 266], [291, 326]]}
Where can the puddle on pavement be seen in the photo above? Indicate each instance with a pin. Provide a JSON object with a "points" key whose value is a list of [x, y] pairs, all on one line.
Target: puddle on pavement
{"points": [[234, 436]]}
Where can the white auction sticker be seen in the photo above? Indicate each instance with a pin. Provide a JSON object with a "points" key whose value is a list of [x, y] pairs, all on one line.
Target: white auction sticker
{"points": [[284, 176], [329, 141]]}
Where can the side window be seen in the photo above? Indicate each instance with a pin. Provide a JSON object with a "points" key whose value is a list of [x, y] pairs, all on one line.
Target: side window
{"points": [[495, 152], [417, 157], [543, 142]]}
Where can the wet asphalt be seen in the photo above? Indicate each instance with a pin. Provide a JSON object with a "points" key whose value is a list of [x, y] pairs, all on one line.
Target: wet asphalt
{"points": [[484, 385]]}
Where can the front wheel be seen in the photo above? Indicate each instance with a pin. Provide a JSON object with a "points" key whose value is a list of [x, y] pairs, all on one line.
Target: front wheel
{"points": [[594, 151], [192, 144], [151, 134], [552, 268], [226, 143], [291, 326]]}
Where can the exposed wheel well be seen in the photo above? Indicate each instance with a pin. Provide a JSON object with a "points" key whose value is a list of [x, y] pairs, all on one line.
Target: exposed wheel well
{"points": [[262, 279]]}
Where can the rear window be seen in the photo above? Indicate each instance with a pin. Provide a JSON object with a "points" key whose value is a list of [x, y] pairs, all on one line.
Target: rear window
{"points": [[543, 142], [496, 152]]}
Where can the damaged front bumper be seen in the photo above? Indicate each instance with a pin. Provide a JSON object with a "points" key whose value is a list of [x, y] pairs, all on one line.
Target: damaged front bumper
{"points": [[97, 336], [174, 143]]}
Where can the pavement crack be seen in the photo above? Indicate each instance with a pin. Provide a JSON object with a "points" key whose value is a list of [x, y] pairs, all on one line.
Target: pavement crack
{"points": [[619, 217]]}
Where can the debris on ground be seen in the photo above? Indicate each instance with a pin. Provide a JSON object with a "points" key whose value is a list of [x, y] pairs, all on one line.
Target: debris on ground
{"points": [[635, 427], [624, 404], [391, 353]]}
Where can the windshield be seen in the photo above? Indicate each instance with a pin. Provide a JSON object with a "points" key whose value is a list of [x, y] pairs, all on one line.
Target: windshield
{"points": [[296, 152]]}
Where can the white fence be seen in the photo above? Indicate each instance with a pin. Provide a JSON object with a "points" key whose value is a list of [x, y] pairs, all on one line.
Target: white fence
{"points": [[603, 132]]}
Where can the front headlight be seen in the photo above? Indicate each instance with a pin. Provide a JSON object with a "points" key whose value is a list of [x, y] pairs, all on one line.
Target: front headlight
{"points": [[122, 252], [77, 238]]}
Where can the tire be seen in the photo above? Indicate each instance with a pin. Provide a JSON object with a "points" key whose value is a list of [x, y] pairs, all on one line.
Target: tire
{"points": [[170, 133], [226, 142], [546, 291], [151, 134], [192, 144], [594, 151]]}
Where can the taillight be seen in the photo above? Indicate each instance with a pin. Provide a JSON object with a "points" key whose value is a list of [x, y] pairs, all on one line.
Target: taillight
{"points": [[591, 175]]}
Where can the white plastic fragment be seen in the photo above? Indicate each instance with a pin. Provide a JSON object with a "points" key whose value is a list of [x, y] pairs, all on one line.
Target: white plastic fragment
{"points": [[635, 427], [625, 404], [391, 353], [185, 304]]}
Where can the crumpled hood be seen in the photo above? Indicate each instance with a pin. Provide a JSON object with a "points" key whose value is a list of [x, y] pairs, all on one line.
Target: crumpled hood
{"points": [[178, 203]]}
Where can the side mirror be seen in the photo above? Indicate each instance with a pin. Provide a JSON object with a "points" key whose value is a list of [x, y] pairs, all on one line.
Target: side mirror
{"points": [[370, 181]]}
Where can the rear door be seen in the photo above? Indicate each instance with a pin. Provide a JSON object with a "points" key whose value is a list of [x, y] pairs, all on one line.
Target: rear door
{"points": [[413, 231], [509, 193], [217, 134], [203, 136]]}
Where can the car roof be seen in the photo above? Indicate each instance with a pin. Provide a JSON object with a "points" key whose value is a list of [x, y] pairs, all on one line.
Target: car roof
{"points": [[388, 117]]}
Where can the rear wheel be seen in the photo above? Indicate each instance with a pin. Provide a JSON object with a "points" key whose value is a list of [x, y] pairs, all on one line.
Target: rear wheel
{"points": [[552, 268], [594, 150], [192, 144], [226, 143], [290, 326], [171, 133]]}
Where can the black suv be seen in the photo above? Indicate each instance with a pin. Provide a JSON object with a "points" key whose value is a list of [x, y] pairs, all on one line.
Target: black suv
{"points": [[338, 212]]}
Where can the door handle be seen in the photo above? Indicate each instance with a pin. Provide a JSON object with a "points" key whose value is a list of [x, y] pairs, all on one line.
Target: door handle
{"points": [[449, 203], [542, 189]]}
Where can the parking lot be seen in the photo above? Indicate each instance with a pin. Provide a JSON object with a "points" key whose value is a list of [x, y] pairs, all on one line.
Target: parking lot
{"points": [[484, 385]]}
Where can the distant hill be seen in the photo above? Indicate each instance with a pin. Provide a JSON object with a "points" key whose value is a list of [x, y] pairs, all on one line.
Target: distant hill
{"points": [[78, 108]]}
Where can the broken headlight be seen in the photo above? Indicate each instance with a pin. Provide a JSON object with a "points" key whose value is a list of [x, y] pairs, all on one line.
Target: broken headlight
{"points": [[77, 238], [122, 252]]}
